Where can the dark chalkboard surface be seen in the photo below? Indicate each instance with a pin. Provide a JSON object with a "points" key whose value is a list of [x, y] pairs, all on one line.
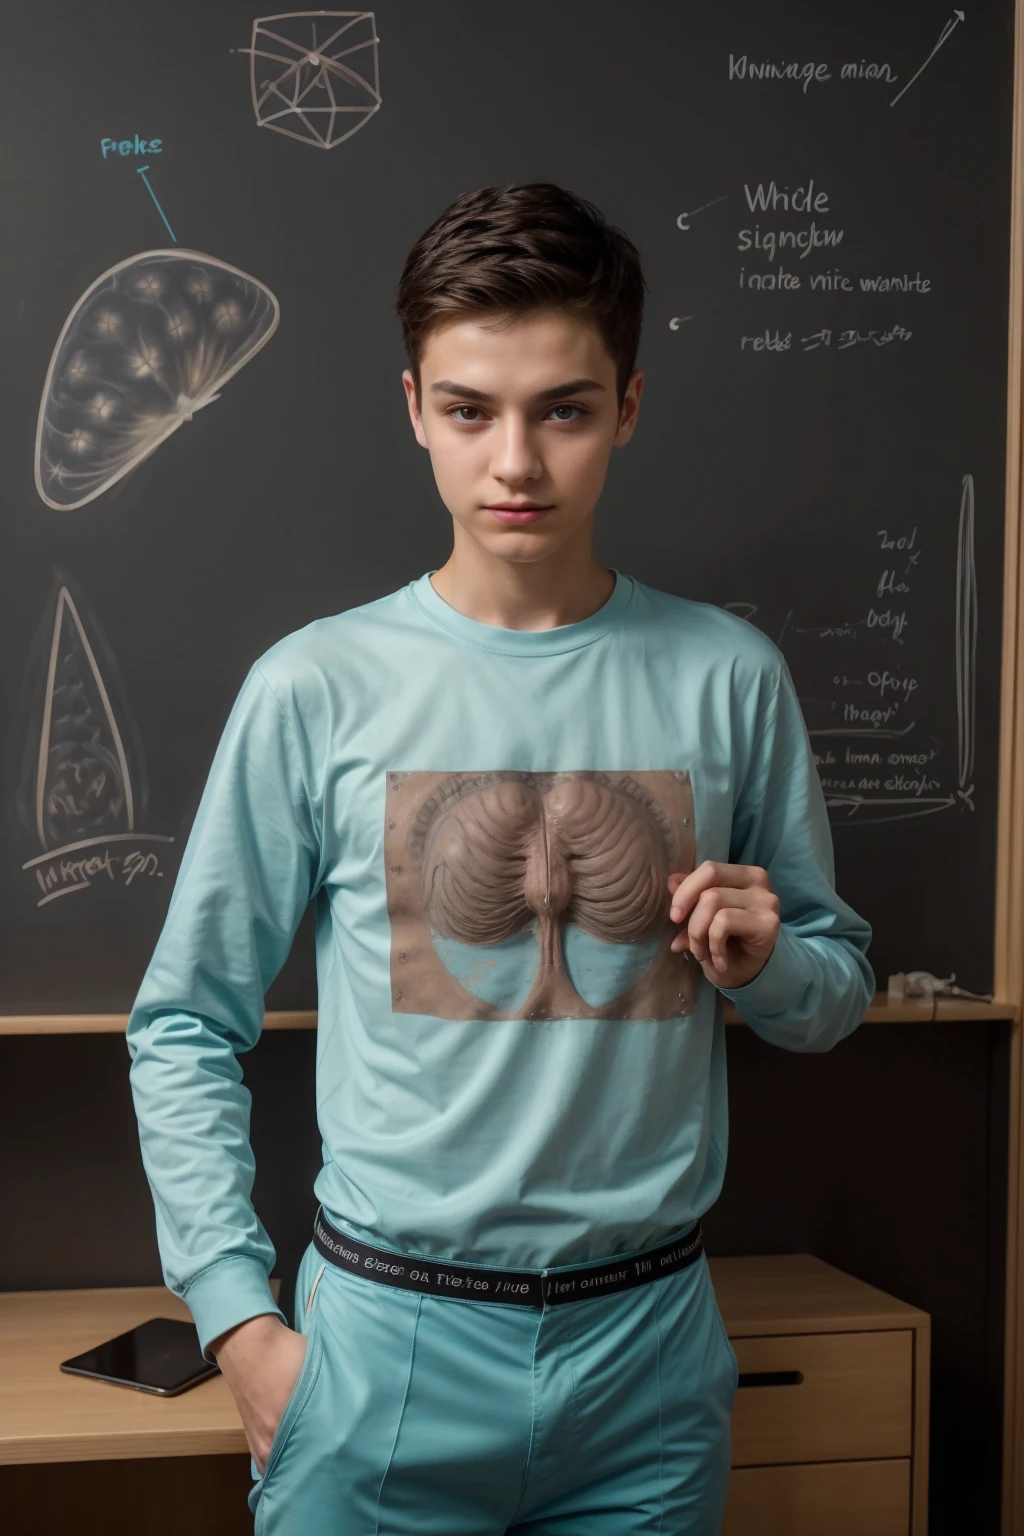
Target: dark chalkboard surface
{"points": [[821, 197]]}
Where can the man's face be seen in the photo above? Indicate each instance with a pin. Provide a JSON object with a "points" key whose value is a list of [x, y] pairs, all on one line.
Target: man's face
{"points": [[516, 416]]}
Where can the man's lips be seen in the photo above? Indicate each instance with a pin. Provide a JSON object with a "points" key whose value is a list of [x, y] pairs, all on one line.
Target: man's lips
{"points": [[518, 512]]}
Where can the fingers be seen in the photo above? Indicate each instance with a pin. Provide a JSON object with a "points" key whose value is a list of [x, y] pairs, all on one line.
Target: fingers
{"points": [[687, 889], [757, 929], [716, 900]]}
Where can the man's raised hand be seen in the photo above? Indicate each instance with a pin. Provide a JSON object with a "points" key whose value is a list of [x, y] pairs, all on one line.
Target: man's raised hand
{"points": [[730, 918]]}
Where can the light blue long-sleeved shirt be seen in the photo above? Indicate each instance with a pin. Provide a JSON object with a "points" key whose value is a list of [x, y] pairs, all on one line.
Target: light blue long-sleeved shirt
{"points": [[512, 1066]]}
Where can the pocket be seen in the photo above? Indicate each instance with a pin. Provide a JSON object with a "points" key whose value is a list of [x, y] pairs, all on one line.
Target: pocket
{"points": [[304, 1383], [719, 1323]]}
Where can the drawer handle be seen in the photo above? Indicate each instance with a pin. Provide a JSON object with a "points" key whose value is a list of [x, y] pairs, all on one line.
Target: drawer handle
{"points": [[770, 1378]]}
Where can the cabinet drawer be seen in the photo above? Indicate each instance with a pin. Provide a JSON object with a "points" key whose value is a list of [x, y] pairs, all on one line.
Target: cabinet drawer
{"points": [[840, 1498], [823, 1397]]}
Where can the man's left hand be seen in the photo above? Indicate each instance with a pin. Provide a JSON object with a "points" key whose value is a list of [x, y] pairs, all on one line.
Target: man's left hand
{"points": [[730, 917]]}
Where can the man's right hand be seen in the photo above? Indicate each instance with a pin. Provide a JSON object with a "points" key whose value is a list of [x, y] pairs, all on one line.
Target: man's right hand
{"points": [[261, 1360]]}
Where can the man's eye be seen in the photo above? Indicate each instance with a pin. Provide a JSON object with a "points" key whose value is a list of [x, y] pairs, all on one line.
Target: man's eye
{"points": [[456, 413]]}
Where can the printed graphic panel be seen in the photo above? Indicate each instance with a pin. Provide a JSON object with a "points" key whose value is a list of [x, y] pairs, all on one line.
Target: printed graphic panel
{"points": [[560, 878]]}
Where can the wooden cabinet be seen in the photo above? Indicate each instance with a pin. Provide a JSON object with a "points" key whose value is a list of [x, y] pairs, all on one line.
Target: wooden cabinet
{"points": [[830, 1424], [825, 1498]]}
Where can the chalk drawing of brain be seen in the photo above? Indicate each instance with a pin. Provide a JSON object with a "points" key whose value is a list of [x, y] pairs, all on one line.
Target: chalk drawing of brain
{"points": [[151, 342], [314, 74]]}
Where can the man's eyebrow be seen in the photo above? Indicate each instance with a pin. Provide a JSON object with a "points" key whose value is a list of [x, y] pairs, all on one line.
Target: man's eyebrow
{"points": [[572, 387]]}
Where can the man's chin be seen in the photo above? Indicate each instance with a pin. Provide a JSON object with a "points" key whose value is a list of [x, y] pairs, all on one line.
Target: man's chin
{"points": [[522, 543]]}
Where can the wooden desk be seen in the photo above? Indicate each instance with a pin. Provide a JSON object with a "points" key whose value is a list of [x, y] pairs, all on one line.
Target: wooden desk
{"points": [[47, 1415], [103, 1460]]}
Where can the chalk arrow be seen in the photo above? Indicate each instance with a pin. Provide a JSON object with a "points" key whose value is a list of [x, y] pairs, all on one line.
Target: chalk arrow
{"points": [[683, 221], [142, 172], [924, 805], [947, 32]]}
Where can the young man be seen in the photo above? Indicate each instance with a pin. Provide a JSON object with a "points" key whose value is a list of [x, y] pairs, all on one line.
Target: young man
{"points": [[549, 816]]}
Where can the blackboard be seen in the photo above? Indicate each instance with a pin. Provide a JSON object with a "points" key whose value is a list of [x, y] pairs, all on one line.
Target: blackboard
{"points": [[821, 198]]}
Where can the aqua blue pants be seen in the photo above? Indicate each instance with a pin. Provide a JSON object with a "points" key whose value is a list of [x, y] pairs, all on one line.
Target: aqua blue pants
{"points": [[420, 1415]]}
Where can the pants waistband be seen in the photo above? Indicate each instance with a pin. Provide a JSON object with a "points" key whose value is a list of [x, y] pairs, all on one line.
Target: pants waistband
{"points": [[518, 1287]]}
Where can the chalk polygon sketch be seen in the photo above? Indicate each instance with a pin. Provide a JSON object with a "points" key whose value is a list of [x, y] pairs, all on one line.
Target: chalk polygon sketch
{"points": [[315, 88], [150, 342]]}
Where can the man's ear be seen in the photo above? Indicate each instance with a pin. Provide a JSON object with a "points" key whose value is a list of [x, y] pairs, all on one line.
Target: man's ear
{"points": [[414, 408], [630, 407]]}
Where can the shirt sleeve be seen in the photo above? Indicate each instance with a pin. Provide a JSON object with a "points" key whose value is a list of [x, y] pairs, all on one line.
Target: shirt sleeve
{"points": [[249, 870], [817, 982]]}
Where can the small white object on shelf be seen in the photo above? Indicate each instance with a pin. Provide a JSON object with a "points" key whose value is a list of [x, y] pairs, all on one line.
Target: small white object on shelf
{"points": [[908, 986]]}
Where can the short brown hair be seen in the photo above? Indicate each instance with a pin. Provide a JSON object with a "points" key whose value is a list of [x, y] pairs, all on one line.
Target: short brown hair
{"points": [[513, 249]]}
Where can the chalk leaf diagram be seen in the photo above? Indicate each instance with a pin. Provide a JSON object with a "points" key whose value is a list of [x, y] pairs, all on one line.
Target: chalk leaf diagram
{"points": [[153, 340], [319, 92], [80, 793]]}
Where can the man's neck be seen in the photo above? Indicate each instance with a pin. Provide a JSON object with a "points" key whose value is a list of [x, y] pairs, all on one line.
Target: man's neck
{"points": [[533, 594]]}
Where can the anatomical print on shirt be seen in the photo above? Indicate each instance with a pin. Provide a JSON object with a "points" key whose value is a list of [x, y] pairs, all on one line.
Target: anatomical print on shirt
{"points": [[522, 895]]}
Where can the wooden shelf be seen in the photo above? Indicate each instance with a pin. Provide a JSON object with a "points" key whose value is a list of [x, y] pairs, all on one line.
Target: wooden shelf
{"points": [[115, 1023]]}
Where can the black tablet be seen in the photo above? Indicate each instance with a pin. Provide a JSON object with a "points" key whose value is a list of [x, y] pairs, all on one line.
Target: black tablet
{"points": [[161, 1355]]}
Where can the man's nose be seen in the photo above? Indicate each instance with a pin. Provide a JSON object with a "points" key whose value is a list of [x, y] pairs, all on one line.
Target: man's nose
{"points": [[515, 453]]}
